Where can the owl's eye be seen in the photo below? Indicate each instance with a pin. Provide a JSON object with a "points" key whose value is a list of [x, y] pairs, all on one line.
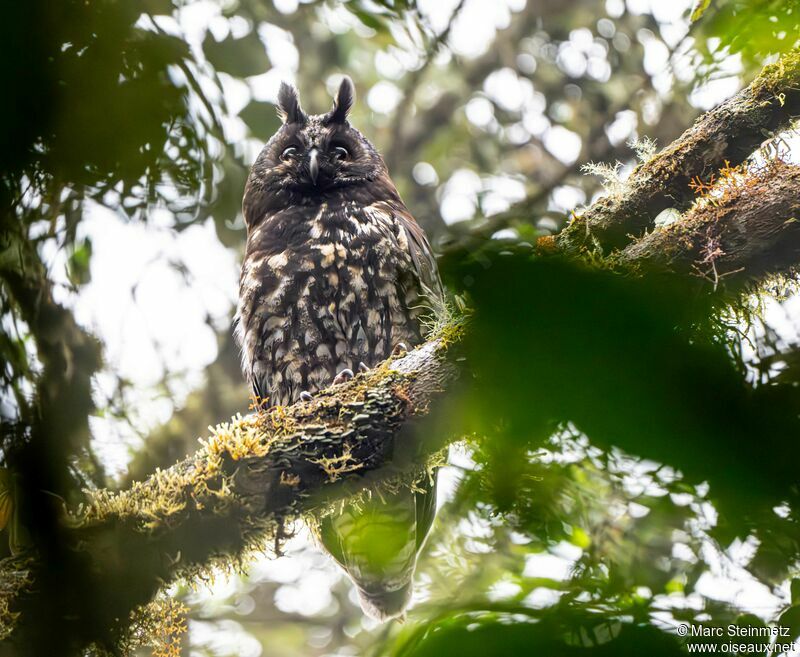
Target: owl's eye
{"points": [[288, 152], [340, 153]]}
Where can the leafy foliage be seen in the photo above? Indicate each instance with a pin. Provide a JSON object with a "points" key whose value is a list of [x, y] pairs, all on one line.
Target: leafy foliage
{"points": [[755, 30], [609, 364]]}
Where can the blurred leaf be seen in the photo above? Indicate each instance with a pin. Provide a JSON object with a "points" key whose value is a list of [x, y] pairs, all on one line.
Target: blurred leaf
{"points": [[158, 7], [634, 364], [755, 30], [700, 7], [6, 496], [370, 20], [241, 57], [78, 263], [490, 632], [261, 118], [752, 634], [791, 619], [594, 632]]}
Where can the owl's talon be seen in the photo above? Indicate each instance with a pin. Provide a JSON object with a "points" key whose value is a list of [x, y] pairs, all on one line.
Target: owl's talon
{"points": [[306, 396], [399, 348], [345, 375], [363, 367]]}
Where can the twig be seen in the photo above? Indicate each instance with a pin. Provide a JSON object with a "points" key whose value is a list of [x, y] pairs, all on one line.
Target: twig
{"points": [[414, 79]]}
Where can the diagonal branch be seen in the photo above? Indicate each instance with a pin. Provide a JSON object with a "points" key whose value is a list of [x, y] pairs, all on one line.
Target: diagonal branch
{"points": [[730, 132], [748, 227], [250, 477]]}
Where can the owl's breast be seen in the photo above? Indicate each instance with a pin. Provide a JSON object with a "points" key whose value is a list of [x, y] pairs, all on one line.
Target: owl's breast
{"points": [[310, 307]]}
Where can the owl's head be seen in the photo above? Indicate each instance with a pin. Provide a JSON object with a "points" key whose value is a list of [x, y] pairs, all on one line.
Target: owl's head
{"points": [[313, 157]]}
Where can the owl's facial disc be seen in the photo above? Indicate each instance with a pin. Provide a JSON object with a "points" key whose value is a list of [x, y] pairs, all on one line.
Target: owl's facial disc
{"points": [[311, 157]]}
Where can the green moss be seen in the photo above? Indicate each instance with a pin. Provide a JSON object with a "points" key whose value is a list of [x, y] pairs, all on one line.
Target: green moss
{"points": [[16, 576], [450, 326], [775, 79], [159, 625]]}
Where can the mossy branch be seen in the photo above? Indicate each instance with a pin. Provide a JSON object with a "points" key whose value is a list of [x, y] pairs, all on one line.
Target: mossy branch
{"points": [[729, 133], [745, 227], [280, 461], [236, 493]]}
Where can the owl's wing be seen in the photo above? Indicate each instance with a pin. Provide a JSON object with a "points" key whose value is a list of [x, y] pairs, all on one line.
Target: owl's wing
{"points": [[419, 248]]}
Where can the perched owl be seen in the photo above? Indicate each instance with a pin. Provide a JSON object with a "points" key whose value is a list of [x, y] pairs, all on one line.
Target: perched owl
{"points": [[337, 274]]}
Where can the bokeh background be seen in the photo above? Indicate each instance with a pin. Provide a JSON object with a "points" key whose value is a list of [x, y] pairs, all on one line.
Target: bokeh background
{"points": [[145, 117]]}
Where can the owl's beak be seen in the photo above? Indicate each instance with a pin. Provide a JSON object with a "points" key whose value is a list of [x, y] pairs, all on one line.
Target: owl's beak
{"points": [[313, 165]]}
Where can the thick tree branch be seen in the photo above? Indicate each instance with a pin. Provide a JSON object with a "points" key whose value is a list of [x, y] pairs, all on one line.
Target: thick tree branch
{"points": [[748, 226], [277, 462], [730, 132], [236, 492]]}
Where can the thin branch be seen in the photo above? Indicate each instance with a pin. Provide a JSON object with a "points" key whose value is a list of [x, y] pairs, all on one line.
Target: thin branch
{"points": [[414, 79]]}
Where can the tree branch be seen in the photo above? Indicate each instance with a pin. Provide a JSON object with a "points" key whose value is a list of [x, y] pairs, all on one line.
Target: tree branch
{"points": [[746, 228], [278, 461], [730, 132], [237, 492]]}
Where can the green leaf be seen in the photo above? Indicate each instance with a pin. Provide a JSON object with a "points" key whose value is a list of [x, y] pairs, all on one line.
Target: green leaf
{"points": [[78, 263], [795, 591], [371, 21], [756, 30], [162, 7], [700, 7], [791, 618], [261, 118], [752, 627], [6, 496], [238, 57]]}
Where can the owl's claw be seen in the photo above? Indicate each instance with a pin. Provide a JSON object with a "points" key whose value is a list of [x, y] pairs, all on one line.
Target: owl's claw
{"points": [[399, 348], [345, 375], [363, 367], [306, 396]]}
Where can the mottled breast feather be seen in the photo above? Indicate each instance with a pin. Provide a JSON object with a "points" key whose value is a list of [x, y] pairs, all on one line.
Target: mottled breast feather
{"points": [[327, 286]]}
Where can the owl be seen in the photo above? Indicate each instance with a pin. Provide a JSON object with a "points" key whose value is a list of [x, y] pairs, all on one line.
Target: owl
{"points": [[337, 275]]}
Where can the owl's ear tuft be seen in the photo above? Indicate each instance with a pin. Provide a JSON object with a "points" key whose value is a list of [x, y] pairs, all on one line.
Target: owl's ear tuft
{"points": [[289, 105], [343, 102]]}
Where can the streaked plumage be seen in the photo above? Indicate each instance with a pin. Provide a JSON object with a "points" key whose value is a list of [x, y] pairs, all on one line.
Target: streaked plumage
{"points": [[336, 273]]}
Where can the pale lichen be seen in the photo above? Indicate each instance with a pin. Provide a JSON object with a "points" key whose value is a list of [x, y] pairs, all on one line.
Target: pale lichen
{"points": [[16, 576], [159, 625]]}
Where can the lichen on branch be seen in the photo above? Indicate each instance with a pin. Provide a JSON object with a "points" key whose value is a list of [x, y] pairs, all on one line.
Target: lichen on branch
{"points": [[745, 225], [730, 132]]}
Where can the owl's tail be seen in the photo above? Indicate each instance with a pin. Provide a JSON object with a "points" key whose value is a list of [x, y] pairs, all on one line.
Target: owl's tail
{"points": [[382, 604], [377, 541]]}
